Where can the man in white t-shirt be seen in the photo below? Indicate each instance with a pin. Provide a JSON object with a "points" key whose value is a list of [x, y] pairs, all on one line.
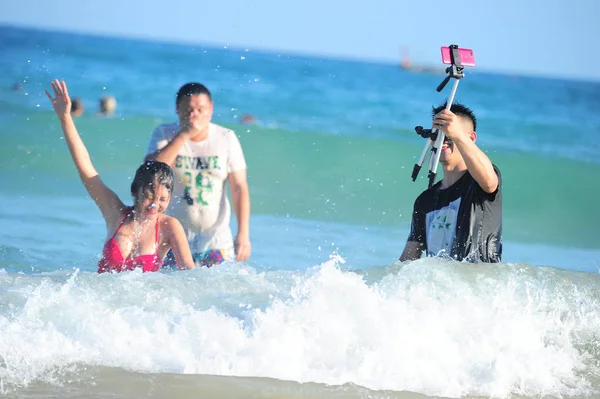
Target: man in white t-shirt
{"points": [[204, 156]]}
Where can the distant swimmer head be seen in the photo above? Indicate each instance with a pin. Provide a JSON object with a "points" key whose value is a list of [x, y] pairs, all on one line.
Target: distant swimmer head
{"points": [[108, 105], [77, 107], [247, 119], [152, 187]]}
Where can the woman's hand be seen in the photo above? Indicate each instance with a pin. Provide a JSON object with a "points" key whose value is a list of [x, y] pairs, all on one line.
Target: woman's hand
{"points": [[61, 102]]}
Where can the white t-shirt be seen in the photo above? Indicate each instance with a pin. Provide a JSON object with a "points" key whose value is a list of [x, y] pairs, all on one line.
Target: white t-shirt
{"points": [[441, 231], [199, 199]]}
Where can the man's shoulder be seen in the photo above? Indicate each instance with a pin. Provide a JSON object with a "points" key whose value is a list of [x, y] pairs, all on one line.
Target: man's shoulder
{"points": [[496, 169], [221, 131], [224, 135], [427, 195], [167, 129]]}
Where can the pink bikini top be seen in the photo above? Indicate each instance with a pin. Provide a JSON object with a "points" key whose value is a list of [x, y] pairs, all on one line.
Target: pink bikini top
{"points": [[113, 261]]}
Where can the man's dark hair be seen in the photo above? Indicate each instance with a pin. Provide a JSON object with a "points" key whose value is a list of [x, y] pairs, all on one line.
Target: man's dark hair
{"points": [[150, 172], [191, 89], [460, 110]]}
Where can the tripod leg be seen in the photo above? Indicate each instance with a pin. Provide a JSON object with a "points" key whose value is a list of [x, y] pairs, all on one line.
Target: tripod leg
{"points": [[435, 158], [418, 165], [437, 146]]}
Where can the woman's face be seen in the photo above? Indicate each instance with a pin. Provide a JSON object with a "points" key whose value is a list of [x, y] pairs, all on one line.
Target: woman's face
{"points": [[153, 200]]}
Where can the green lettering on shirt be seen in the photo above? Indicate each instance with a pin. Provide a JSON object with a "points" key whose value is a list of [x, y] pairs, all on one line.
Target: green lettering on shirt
{"points": [[215, 161], [204, 186]]}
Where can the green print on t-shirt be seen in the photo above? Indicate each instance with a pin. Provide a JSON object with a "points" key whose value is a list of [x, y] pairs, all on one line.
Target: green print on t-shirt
{"points": [[203, 185], [440, 223], [203, 182], [185, 162]]}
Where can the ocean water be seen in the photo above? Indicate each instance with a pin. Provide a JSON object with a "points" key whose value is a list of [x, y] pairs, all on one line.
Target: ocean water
{"points": [[323, 308]]}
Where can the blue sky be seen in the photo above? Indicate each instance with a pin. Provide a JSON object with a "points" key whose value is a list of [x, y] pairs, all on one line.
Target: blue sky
{"points": [[536, 37]]}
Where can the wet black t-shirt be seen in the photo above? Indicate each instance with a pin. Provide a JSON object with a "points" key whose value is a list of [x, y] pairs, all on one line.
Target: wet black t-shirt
{"points": [[461, 221]]}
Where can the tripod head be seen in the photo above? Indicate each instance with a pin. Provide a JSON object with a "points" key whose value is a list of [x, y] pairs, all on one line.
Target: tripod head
{"points": [[455, 70], [426, 133], [429, 133]]}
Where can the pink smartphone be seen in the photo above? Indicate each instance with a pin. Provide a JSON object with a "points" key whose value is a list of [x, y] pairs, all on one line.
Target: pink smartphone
{"points": [[467, 58]]}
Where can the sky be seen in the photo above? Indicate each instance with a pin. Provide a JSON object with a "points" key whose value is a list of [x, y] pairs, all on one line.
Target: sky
{"points": [[533, 37]]}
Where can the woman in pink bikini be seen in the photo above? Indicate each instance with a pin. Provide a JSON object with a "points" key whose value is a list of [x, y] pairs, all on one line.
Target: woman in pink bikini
{"points": [[139, 236]]}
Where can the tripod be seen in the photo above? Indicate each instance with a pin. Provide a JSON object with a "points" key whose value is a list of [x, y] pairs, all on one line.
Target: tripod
{"points": [[435, 138]]}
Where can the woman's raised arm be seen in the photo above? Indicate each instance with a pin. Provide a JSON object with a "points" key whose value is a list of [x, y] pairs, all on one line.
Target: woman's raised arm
{"points": [[109, 203]]}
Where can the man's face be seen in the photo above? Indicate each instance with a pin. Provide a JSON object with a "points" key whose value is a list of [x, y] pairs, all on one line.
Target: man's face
{"points": [[450, 155], [198, 109]]}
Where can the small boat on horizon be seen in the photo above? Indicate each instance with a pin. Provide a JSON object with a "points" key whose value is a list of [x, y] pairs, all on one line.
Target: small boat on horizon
{"points": [[407, 65]]}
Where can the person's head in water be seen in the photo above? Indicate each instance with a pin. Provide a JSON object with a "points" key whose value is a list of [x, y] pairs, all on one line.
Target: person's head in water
{"points": [[77, 107], [247, 119], [194, 103], [450, 155], [108, 105], [151, 188]]}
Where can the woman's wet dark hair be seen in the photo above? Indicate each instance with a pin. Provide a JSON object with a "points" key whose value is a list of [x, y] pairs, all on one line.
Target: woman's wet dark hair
{"points": [[150, 172]]}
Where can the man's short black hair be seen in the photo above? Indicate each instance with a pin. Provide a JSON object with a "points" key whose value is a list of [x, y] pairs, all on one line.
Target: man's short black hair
{"points": [[191, 89], [460, 110]]}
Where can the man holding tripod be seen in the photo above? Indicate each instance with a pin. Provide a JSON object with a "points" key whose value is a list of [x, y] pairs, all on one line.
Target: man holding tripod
{"points": [[459, 217]]}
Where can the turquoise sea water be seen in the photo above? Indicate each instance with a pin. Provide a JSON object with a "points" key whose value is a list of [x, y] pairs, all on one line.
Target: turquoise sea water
{"points": [[322, 301]]}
